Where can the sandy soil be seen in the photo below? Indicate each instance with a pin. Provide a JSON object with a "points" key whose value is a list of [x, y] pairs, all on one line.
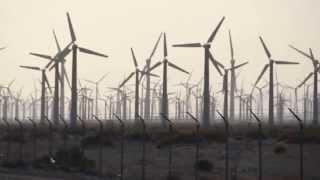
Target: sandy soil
{"points": [[243, 160]]}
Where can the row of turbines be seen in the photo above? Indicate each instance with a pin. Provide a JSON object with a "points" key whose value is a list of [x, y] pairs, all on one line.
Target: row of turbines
{"points": [[149, 95]]}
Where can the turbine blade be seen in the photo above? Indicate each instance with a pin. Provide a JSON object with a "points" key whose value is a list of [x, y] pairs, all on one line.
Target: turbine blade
{"points": [[155, 66], [231, 45], [265, 47], [88, 51], [66, 76], [285, 62], [72, 34], [218, 63], [155, 46], [59, 57], [89, 81], [305, 80], [31, 67], [80, 83], [145, 73], [134, 58], [126, 80], [10, 84], [55, 64], [261, 74], [47, 82], [264, 86], [154, 75], [212, 36], [240, 65], [165, 50], [2, 48], [56, 40], [215, 64], [300, 51], [112, 88], [177, 67], [102, 78], [311, 54], [41, 56], [188, 45]]}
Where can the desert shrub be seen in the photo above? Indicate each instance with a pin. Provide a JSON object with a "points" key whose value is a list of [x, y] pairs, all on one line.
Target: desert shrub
{"points": [[14, 164], [95, 140], [203, 178], [71, 159], [167, 140], [14, 137], [255, 135], [274, 133], [215, 135], [138, 136], [44, 162], [173, 177], [204, 165], [183, 138], [280, 149]]}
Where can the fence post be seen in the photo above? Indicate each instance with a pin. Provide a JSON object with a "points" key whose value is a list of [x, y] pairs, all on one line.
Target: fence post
{"points": [[21, 136], [259, 143], [143, 147], [170, 144], [227, 146], [8, 146], [83, 124], [100, 161], [122, 126], [64, 132], [34, 141], [50, 139], [196, 176], [301, 132]]}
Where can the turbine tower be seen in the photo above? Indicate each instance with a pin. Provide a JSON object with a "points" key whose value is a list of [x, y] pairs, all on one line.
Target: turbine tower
{"points": [[270, 65], [147, 69], [166, 63], [96, 83], [233, 79], [207, 56], [74, 90], [44, 81], [58, 57], [316, 67]]}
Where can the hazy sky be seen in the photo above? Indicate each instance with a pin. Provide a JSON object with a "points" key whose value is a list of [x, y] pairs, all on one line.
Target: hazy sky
{"points": [[112, 27]]}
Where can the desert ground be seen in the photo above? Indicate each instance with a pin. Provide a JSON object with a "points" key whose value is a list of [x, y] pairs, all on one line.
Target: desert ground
{"points": [[75, 152]]}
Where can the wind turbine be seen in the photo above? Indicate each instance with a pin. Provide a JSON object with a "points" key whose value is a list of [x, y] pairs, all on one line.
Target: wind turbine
{"points": [[260, 108], [270, 65], [147, 69], [316, 67], [63, 76], [6, 100], [18, 100], [166, 63], [188, 88], [233, 79], [206, 84], [225, 85], [137, 82], [58, 57], [75, 48], [96, 83], [44, 81]]}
